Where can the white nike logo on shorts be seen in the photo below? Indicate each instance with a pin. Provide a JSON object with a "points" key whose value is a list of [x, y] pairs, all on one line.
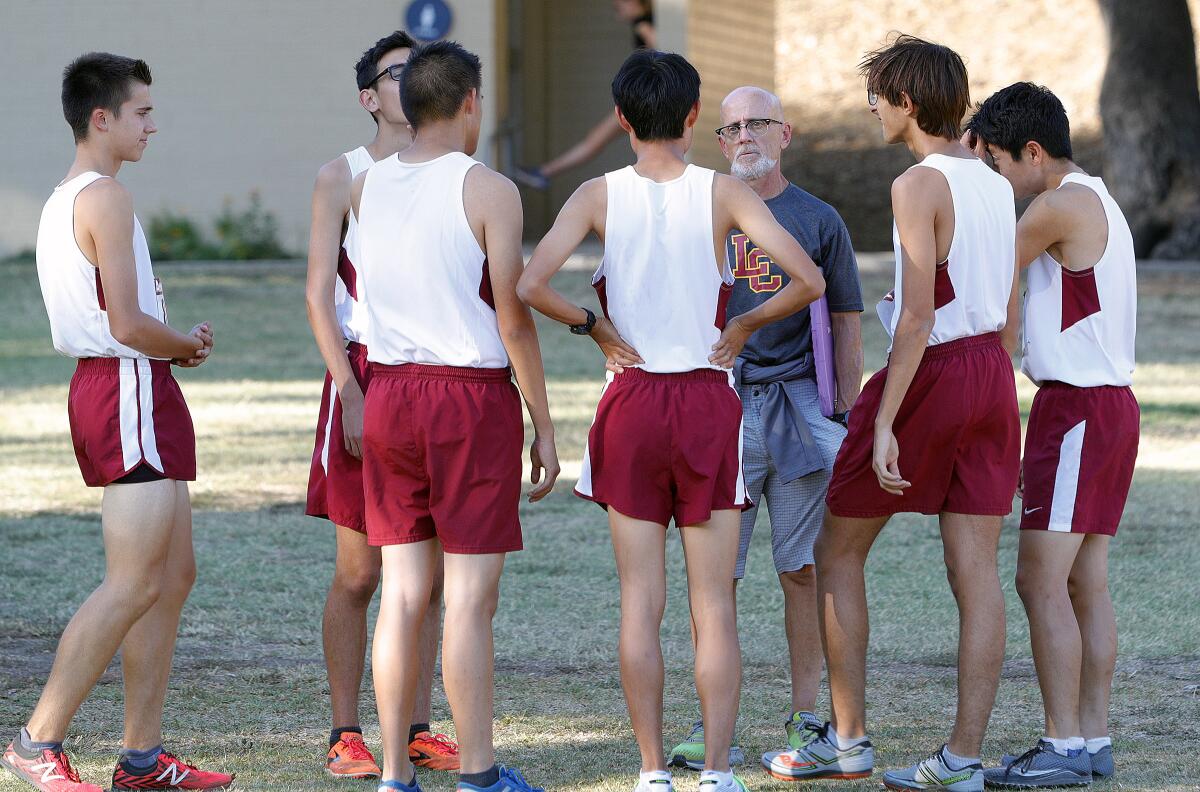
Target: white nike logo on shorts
{"points": [[1031, 511]]}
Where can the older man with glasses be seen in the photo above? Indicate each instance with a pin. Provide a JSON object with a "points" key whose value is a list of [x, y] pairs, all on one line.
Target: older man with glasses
{"points": [[797, 377]]}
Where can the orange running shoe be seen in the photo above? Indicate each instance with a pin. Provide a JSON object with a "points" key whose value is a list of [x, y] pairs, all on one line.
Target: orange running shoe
{"points": [[433, 751], [350, 758]]}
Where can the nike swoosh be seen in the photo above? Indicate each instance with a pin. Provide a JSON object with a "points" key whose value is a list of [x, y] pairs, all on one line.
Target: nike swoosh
{"points": [[1040, 773], [1031, 511]]}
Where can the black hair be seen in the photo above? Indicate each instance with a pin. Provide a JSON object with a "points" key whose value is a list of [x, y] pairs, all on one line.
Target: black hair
{"points": [[655, 91], [368, 65], [933, 76], [98, 79], [1013, 116], [436, 81]]}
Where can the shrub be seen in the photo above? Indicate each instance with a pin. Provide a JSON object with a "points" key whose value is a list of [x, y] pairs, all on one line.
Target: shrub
{"points": [[250, 233]]}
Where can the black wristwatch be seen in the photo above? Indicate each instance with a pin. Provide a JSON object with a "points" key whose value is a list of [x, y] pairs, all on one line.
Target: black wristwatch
{"points": [[586, 327], [843, 418]]}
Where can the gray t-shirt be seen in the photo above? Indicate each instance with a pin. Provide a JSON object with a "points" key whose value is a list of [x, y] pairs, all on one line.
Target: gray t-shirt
{"points": [[820, 231]]}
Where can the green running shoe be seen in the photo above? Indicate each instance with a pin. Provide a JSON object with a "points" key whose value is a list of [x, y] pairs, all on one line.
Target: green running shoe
{"points": [[690, 752]]}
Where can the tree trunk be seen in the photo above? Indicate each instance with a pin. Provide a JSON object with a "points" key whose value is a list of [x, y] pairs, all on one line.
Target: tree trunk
{"points": [[1150, 110]]}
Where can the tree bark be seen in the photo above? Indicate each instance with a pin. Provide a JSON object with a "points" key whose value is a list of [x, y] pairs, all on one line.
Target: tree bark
{"points": [[1150, 109]]}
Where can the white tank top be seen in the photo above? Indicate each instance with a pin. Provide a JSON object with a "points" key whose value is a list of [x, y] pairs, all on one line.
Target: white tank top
{"points": [[71, 285], [431, 297], [349, 292], [659, 280], [973, 284], [1079, 325]]}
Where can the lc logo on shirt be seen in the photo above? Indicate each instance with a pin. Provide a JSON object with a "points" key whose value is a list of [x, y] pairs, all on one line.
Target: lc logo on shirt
{"points": [[751, 263]]}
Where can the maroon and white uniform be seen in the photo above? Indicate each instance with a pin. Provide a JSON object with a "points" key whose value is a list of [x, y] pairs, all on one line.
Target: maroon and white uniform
{"points": [[335, 488], [442, 430], [1083, 432], [126, 410], [667, 439], [958, 427]]}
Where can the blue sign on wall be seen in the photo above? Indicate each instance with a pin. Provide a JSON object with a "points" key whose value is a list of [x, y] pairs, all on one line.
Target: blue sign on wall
{"points": [[428, 20]]}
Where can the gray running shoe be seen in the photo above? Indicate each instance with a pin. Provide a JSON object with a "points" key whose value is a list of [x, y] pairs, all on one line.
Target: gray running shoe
{"points": [[1041, 766], [821, 758], [690, 752], [802, 728], [1102, 762], [935, 773]]}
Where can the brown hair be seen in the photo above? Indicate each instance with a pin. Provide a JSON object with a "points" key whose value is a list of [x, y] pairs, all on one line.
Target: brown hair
{"points": [[933, 76]]}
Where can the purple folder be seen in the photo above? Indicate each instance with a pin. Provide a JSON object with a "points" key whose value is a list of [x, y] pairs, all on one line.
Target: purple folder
{"points": [[822, 340]]}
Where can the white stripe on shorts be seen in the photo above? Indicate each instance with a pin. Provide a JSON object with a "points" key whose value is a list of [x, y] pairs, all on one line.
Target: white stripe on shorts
{"points": [[333, 394], [1066, 479], [131, 448], [146, 402]]}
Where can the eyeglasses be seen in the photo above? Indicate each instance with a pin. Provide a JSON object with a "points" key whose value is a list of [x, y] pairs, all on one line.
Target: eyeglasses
{"points": [[757, 127], [394, 71], [872, 98]]}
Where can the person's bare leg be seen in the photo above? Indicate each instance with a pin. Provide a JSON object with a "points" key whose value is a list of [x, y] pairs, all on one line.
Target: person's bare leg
{"points": [[149, 646], [1044, 564], [969, 544], [431, 636], [640, 550], [408, 574], [137, 520], [604, 132], [356, 574], [1088, 586], [841, 552], [711, 555], [472, 591], [803, 635]]}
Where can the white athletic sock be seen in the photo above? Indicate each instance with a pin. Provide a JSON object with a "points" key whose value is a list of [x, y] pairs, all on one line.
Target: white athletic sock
{"points": [[656, 777], [843, 743], [956, 762], [1096, 743], [1063, 745], [723, 779]]}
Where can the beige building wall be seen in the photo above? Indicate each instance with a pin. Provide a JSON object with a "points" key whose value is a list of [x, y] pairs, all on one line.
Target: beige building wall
{"points": [[248, 96]]}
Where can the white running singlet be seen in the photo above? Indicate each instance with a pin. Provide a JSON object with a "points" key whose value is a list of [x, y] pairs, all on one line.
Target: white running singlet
{"points": [[660, 281], [71, 285], [349, 298], [973, 284], [1079, 325], [431, 296]]}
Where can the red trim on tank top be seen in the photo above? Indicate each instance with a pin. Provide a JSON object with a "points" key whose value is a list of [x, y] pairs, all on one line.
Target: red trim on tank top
{"points": [[346, 272], [943, 287], [723, 305], [100, 291], [485, 287], [602, 293], [1080, 298]]}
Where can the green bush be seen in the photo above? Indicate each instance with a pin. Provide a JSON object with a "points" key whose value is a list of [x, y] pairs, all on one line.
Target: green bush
{"points": [[22, 256], [240, 235]]}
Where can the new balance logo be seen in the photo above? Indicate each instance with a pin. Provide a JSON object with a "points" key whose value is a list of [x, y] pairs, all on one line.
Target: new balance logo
{"points": [[173, 771], [47, 770]]}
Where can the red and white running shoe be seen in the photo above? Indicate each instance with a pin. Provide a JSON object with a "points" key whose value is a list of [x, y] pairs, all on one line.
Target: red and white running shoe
{"points": [[49, 771], [170, 772]]}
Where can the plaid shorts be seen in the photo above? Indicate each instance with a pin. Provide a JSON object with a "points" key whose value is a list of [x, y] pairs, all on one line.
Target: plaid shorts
{"points": [[797, 507]]}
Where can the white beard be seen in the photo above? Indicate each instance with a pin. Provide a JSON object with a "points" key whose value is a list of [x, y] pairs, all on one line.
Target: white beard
{"points": [[756, 170]]}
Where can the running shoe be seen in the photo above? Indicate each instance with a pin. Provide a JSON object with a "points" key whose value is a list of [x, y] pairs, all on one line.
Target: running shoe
{"points": [[1102, 762], [350, 758], [659, 781], [802, 728], [690, 752], [821, 758], [511, 780], [1042, 766], [169, 772], [530, 177], [391, 785], [49, 771], [935, 773], [433, 751]]}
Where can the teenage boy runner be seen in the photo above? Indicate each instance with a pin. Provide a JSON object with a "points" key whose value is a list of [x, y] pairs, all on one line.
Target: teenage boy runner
{"points": [[666, 442], [937, 430], [439, 237], [1080, 448], [132, 434], [788, 446], [337, 311]]}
